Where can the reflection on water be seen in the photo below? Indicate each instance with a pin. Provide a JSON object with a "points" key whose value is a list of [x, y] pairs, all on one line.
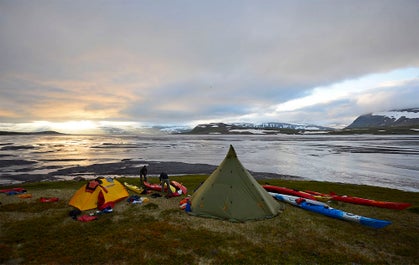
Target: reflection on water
{"points": [[389, 161]]}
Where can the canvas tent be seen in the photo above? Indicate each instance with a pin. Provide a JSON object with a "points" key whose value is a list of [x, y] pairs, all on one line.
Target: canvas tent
{"points": [[98, 193], [232, 193]]}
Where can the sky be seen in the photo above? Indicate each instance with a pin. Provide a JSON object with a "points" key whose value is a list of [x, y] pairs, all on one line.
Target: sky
{"points": [[79, 65]]}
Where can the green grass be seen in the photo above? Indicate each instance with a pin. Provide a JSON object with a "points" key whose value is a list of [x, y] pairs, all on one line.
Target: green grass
{"points": [[159, 233]]}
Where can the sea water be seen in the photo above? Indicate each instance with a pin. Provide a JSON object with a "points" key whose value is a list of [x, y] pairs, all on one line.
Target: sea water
{"points": [[386, 161]]}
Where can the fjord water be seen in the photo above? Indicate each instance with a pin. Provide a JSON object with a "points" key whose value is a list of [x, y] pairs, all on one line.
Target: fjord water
{"points": [[387, 161]]}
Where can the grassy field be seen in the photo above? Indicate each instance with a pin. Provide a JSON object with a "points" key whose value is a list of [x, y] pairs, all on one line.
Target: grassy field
{"points": [[158, 232]]}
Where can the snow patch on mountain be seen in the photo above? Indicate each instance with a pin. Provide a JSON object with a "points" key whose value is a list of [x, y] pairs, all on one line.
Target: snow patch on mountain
{"points": [[399, 114], [250, 131]]}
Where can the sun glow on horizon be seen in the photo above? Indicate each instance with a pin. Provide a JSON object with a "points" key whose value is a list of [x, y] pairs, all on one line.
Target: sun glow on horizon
{"points": [[70, 127]]}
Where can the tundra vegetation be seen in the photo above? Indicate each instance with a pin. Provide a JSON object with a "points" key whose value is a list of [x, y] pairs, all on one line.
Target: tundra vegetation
{"points": [[158, 232]]}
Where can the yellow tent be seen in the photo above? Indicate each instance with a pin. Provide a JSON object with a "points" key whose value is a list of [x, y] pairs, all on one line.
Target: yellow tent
{"points": [[99, 193]]}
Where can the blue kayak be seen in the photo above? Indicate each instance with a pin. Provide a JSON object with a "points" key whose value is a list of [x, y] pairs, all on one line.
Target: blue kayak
{"points": [[324, 209]]}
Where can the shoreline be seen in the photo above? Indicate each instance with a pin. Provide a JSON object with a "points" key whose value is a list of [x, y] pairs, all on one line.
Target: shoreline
{"points": [[127, 168]]}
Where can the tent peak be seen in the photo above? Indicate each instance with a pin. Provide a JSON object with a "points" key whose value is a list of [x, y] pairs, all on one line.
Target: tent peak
{"points": [[231, 152]]}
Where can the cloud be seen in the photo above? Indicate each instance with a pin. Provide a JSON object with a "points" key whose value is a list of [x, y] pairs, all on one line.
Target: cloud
{"points": [[182, 62], [389, 97], [339, 104]]}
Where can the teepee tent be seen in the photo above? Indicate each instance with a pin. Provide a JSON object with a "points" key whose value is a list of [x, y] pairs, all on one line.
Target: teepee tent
{"points": [[231, 193], [98, 193]]}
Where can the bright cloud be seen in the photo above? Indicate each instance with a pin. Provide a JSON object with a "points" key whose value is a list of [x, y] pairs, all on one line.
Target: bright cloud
{"points": [[351, 88]]}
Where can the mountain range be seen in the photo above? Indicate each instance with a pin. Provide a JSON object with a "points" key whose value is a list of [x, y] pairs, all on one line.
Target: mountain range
{"points": [[394, 121], [388, 122], [250, 128]]}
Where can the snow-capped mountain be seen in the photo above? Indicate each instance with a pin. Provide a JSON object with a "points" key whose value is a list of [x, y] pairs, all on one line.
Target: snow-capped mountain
{"points": [[250, 128], [150, 130], [282, 125], [393, 118]]}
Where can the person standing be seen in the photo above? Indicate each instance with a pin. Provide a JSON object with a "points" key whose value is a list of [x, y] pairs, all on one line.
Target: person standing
{"points": [[164, 179], [143, 174]]}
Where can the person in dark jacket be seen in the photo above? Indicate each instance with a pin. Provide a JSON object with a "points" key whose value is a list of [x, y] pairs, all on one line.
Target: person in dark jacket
{"points": [[143, 174], [164, 179]]}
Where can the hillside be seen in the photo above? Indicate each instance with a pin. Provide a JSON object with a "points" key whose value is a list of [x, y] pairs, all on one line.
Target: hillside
{"points": [[407, 118], [27, 133]]}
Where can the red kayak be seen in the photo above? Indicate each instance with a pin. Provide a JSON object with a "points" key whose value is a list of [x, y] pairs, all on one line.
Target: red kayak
{"points": [[362, 201], [18, 190], [179, 186], [153, 186], [287, 191], [176, 187], [47, 199], [86, 218]]}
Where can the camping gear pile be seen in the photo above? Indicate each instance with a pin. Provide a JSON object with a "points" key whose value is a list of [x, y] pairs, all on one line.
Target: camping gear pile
{"points": [[102, 194], [176, 188], [23, 194], [135, 199], [19, 192]]}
